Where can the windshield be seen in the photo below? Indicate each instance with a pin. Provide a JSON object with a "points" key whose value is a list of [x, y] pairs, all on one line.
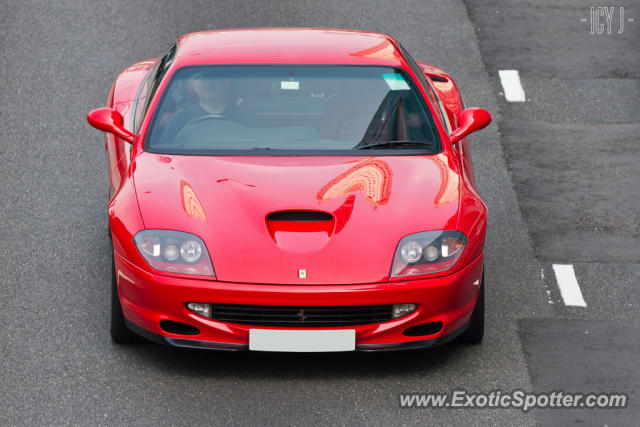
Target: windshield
{"points": [[299, 109]]}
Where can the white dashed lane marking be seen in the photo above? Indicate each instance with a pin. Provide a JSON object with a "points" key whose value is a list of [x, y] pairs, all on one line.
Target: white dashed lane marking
{"points": [[510, 80], [568, 284]]}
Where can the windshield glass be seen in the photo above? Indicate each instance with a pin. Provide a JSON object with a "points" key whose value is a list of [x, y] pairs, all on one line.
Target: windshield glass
{"points": [[294, 108]]}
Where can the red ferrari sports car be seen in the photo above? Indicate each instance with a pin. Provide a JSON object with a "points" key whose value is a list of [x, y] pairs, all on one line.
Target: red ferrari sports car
{"points": [[292, 190]]}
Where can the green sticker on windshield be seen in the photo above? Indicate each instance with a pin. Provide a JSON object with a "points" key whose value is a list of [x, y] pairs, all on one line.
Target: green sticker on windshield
{"points": [[395, 81]]}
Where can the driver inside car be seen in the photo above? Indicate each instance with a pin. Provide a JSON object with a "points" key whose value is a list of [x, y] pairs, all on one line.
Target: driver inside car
{"points": [[213, 98]]}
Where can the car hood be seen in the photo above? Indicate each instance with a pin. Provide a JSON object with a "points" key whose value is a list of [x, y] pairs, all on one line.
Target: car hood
{"points": [[370, 203]]}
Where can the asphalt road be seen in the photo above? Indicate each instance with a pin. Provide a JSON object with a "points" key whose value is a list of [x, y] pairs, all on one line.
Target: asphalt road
{"points": [[572, 152], [58, 365], [572, 148]]}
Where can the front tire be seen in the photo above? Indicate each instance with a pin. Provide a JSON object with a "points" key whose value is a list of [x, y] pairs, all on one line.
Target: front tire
{"points": [[475, 333], [119, 331]]}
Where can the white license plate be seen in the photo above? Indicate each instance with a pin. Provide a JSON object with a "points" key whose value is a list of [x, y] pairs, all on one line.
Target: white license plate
{"points": [[302, 340]]}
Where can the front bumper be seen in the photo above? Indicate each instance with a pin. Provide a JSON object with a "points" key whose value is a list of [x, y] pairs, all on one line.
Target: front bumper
{"points": [[147, 299]]}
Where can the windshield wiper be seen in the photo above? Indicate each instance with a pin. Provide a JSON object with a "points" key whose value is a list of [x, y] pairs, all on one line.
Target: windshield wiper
{"points": [[396, 143]]}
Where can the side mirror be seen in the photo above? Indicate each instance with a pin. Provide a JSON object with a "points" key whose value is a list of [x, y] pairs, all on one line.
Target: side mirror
{"points": [[470, 120], [109, 120]]}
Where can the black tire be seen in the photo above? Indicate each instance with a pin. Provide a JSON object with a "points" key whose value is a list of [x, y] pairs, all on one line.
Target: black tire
{"points": [[119, 331], [475, 333]]}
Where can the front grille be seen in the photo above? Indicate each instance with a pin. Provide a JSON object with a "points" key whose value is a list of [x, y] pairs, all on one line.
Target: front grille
{"points": [[292, 316]]}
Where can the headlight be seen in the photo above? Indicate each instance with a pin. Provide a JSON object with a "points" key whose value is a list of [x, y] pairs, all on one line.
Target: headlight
{"points": [[174, 251], [427, 252]]}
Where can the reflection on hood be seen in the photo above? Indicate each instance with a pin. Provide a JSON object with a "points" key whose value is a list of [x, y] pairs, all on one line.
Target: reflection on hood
{"points": [[372, 177]]}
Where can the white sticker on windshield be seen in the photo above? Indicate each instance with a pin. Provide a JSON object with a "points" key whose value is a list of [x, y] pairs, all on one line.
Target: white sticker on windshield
{"points": [[290, 85], [395, 81]]}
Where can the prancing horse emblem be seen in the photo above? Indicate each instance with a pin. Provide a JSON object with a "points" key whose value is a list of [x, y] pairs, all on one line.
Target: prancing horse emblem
{"points": [[302, 274], [302, 316]]}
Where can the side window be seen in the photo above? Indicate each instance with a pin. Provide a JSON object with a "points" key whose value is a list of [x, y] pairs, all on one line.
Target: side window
{"points": [[436, 101], [140, 102], [430, 91], [151, 85]]}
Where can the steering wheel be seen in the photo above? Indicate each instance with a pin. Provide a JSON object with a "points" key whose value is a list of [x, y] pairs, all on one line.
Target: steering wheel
{"points": [[205, 118], [181, 141]]}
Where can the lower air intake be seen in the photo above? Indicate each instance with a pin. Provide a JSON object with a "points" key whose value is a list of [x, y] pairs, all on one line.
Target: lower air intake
{"points": [[301, 316], [178, 328], [424, 329]]}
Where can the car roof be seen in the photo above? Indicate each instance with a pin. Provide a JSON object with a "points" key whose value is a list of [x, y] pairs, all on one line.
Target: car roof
{"points": [[288, 46]]}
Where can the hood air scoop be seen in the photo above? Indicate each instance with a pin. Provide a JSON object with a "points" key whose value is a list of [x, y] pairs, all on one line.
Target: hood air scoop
{"points": [[300, 231], [300, 216]]}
